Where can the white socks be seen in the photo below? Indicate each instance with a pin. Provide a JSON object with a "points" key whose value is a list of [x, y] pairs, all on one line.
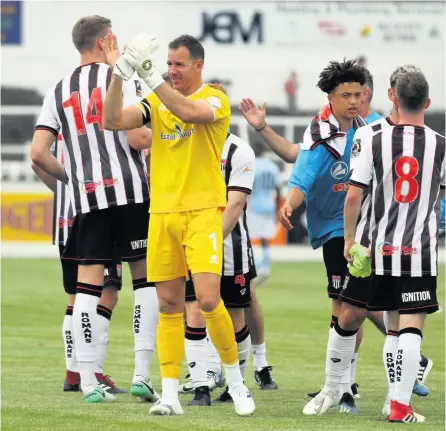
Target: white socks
{"points": [[196, 355], [340, 349], [85, 331], [102, 326], [259, 354], [68, 339], [407, 363], [169, 390], [243, 339], [214, 363], [353, 368], [389, 355], [233, 375], [145, 322]]}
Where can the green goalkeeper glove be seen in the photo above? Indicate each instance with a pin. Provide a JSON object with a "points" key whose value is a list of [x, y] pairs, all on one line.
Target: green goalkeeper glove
{"points": [[362, 263]]}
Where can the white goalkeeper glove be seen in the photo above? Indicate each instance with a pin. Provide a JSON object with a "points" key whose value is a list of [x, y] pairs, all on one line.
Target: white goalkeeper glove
{"points": [[123, 69], [139, 55]]}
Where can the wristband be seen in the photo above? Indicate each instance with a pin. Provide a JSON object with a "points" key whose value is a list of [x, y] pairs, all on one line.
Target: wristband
{"points": [[259, 130]]}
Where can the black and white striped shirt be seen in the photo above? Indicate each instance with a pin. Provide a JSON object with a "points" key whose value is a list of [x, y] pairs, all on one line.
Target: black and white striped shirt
{"points": [[103, 170], [405, 165], [63, 214], [238, 168], [365, 219]]}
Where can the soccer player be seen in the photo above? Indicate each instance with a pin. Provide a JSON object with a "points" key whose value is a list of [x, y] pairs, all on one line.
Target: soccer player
{"points": [[262, 205], [404, 222], [365, 110], [189, 125], [238, 169], [62, 222], [108, 187], [321, 171]]}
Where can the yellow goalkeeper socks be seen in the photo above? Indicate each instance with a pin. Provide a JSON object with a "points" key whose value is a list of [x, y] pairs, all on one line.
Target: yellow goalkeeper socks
{"points": [[170, 339], [221, 331]]}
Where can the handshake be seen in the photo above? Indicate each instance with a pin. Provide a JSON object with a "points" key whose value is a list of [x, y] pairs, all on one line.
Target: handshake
{"points": [[137, 57]]}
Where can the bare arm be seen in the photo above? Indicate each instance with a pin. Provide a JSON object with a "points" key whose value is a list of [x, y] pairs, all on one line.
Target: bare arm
{"points": [[352, 208], [114, 116], [48, 180], [140, 139], [41, 155], [233, 210], [256, 118], [293, 201]]}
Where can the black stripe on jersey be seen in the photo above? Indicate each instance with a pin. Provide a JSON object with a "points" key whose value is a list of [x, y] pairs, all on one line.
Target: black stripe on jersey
{"points": [[396, 144], [236, 234], [125, 168], [139, 163], [365, 241], [434, 203], [108, 79], [379, 191], [409, 229], [67, 138], [251, 264], [239, 189], [106, 171], [48, 129], [84, 145]]}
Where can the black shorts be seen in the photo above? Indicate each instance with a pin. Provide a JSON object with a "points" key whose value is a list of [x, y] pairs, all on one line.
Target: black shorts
{"points": [[335, 265], [95, 235], [356, 291], [112, 273], [408, 295], [235, 290]]}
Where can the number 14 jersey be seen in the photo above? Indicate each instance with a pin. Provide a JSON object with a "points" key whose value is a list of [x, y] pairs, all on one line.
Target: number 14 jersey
{"points": [[102, 169], [404, 166]]}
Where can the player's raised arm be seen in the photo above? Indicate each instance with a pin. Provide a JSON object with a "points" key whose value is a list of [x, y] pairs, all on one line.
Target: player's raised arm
{"points": [[185, 63], [256, 118], [115, 117]]}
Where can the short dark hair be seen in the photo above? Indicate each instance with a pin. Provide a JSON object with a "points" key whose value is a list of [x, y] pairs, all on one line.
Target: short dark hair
{"points": [[87, 30], [193, 45], [368, 82], [338, 73], [412, 91]]}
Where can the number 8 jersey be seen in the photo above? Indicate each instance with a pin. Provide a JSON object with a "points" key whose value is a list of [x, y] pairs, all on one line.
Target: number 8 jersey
{"points": [[404, 165], [103, 170]]}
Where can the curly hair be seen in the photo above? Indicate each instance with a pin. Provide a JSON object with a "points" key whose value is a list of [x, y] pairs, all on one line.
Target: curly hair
{"points": [[338, 73]]}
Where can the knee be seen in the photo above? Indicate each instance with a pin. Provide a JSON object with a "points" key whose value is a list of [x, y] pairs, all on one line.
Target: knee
{"points": [[109, 297], [195, 318], [208, 303], [351, 317]]}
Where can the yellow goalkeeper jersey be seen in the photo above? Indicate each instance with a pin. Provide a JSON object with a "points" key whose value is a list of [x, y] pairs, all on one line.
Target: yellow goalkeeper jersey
{"points": [[185, 172]]}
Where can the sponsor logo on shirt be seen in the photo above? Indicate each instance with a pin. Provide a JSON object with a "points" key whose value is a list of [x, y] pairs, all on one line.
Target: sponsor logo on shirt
{"points": [[388, 249], [139, 243], [89, 186], [65, 222], [178, 135], [339, 170], [342, 187]]}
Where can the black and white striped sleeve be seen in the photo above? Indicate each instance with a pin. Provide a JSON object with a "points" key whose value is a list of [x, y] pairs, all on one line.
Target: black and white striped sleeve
{"points": [[243, 170], [47, 119], [361, 162]]}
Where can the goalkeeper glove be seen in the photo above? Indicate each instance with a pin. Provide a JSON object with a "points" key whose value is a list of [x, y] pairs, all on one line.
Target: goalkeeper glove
{"points": [[362, 264], [139, 54], [123, 69]]}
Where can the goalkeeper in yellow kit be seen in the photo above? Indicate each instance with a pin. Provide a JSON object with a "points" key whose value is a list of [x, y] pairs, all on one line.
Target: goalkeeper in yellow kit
{"points": [[189, 126]]}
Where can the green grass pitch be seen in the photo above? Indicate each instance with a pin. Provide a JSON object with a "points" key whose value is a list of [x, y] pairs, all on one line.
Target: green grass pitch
{"points": [[297, 314]]}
